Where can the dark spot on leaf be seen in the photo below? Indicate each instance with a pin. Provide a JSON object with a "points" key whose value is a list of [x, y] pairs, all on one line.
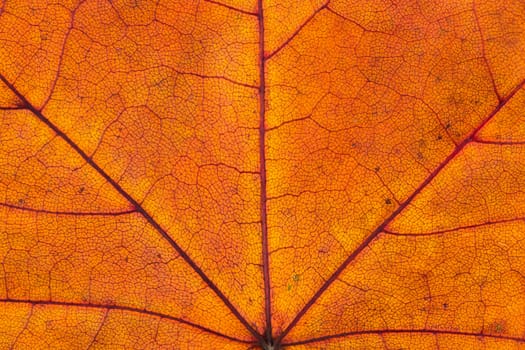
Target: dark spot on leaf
{"points": [[388, 201], [376, 169], [439, 137], [499, 326], [81, 189], [445, 306]]}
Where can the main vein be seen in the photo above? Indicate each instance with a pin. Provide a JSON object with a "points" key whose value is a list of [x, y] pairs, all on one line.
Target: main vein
{"points": [[262, 165]]}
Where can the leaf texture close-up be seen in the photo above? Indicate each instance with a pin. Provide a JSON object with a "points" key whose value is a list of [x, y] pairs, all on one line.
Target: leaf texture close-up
{"points": [[262, 174]]}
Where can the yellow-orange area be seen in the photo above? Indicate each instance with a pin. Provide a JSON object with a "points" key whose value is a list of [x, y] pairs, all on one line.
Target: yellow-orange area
{"points": [[75, 327], [359, 116], [412, 341], [509, 126], [181, 174], [466, 281]]}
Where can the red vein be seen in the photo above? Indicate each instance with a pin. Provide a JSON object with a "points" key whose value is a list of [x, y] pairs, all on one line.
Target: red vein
{"points": [[124, 308], [297, 31], [500, 143], [26, 323], [74, 213], [12, 108], [262, 159], [396, 212], [466, 227], [288, 122], [137, 207], [220, 77], [61, 56], [102, 323], [483, 52], [193, 74], [398, 331], [352, 21], [232, 8]]}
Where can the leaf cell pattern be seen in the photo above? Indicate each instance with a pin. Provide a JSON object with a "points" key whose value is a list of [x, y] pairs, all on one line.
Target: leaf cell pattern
{"points": [[262, 174]]}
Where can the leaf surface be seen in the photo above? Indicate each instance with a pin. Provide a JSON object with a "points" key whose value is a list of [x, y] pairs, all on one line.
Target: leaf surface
{"points": [[262, 174]]}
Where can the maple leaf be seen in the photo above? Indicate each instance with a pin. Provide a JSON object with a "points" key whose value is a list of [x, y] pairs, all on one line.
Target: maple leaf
{"points": [[262, 174]]}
